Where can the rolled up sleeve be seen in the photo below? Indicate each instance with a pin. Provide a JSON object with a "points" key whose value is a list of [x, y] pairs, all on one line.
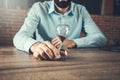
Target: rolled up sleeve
{"points": [[94, 37], [23, 39]]}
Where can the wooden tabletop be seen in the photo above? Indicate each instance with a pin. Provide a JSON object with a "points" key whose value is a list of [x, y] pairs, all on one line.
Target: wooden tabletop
{"points": [[81, 64]]}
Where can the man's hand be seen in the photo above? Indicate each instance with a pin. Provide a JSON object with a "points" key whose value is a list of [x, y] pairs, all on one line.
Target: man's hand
{"points": [[57, 42], [45, 50], [50, 50], [63, 46], [67, 43]]}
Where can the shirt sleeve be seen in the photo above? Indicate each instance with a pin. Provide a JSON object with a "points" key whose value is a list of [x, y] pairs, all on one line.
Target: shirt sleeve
{"points": [[94, 37], [23, 39]]}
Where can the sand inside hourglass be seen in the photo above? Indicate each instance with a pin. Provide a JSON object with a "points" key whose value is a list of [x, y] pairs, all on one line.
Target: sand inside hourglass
{"points": [[62, 38]]}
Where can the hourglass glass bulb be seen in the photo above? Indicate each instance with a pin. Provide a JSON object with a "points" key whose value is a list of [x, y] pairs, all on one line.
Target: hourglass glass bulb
{"points": [[63, 31]]}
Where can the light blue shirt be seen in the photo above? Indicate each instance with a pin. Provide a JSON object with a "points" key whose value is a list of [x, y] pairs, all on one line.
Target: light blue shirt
{"points": [[42, 20]]}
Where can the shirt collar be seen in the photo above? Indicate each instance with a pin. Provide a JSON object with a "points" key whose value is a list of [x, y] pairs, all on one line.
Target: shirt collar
{"points": [[52, 8]]}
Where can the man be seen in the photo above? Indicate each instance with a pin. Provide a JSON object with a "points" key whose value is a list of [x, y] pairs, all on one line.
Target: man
{"points": [[39, 35]]}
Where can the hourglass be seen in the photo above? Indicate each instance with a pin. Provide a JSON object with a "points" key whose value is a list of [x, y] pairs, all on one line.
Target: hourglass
{"points": [[63, 32]]}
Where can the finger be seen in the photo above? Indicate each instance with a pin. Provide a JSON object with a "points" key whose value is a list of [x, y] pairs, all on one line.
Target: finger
{"points": [[58, 44], [54, 49], [47, 50], [39, 53], [44, 56], [56, 40], [36, 54]]}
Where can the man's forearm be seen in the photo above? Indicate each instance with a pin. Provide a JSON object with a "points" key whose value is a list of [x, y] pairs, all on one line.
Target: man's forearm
{"points": [[23, 42], [96, 40]]}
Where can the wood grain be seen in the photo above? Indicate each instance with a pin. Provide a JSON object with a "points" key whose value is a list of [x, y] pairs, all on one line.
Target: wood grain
{"points": [[81, 64]]}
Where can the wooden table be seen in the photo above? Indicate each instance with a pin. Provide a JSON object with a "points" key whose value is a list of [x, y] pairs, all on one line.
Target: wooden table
{"points": [[81, 64]]}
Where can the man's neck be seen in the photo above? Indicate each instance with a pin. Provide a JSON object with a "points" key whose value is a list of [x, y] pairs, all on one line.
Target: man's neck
{"points": [[62, 10]]}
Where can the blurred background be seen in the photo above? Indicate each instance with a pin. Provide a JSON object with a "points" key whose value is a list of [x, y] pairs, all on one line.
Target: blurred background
{"points": [[106, 14]]}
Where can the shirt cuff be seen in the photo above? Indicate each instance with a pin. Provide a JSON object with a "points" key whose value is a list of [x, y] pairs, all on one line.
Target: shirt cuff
{"points": [[28, 44], [80, 42]]}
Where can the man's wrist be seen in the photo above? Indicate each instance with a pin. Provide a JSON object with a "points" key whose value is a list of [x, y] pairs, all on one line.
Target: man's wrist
{"points": [[31, 50], [74, 45]]}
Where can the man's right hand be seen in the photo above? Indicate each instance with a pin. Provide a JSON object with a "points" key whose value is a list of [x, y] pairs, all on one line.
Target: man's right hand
{"points": [[46, 50]]}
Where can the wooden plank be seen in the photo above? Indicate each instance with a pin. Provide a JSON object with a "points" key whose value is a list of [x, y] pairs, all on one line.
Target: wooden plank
{"points": [[81, 64]]}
